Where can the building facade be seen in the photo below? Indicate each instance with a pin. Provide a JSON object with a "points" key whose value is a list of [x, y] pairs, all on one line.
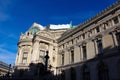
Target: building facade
{"points": [[5, 69], [89, 51], [34, 44]]}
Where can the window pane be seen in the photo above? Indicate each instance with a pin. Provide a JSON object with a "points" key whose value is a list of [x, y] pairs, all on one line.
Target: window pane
{"points": [[42, 56], [24, 60], [84, 53], [42, 53], [25, 54], [99, 44]]}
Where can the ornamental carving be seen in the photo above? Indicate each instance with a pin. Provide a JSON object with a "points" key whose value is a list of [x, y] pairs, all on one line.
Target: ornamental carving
{"points": [[45, 34]]}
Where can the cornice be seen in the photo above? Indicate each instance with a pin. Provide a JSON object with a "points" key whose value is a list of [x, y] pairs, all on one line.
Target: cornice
{"points": [[92, 20], [24, 40]]}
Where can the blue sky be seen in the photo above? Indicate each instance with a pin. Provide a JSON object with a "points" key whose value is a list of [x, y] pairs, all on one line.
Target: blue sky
{"points": [[17, 16]]}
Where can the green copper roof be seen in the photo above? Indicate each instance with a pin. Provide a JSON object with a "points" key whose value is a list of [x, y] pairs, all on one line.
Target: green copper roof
{"points": [[34, 30]]}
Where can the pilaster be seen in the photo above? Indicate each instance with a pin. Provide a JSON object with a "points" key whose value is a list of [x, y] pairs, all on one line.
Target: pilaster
{"points": [[110, 23], [76, 54], [35, 51], [95, 46], [50, 48], [66, 57], [29, 55], [114, 38], [81, 53], [20, 55]]}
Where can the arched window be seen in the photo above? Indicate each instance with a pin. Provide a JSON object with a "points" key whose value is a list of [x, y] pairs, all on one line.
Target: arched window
{"points": [[102, 71], [86, 73], [72, 73]]}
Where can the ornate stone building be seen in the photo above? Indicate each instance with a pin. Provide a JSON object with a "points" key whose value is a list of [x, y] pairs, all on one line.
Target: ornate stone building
{"points": [[89, 51], [33, 45]]}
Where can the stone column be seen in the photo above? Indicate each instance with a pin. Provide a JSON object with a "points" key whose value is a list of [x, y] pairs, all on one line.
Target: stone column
{"points": [[35, 51], [81, 53], [110, 23], [114, 38], [101, 27], [104, 26], [80, 49], [59, 59], [16, 60], [95, 30], [80, 38], [20, 55], [50, 48], [66, 57], [76, 54], [29, 55]]}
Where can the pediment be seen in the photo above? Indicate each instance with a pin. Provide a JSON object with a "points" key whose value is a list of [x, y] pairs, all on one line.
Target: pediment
{"points": [[45, 34]]}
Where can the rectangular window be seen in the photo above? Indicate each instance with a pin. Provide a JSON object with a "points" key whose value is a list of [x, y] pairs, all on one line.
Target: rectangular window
{"points": [[24, 59], [84, 53], [72, 56], [99, 45], [62, 59], [115, 20], [25, 54], [42, 55]]}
